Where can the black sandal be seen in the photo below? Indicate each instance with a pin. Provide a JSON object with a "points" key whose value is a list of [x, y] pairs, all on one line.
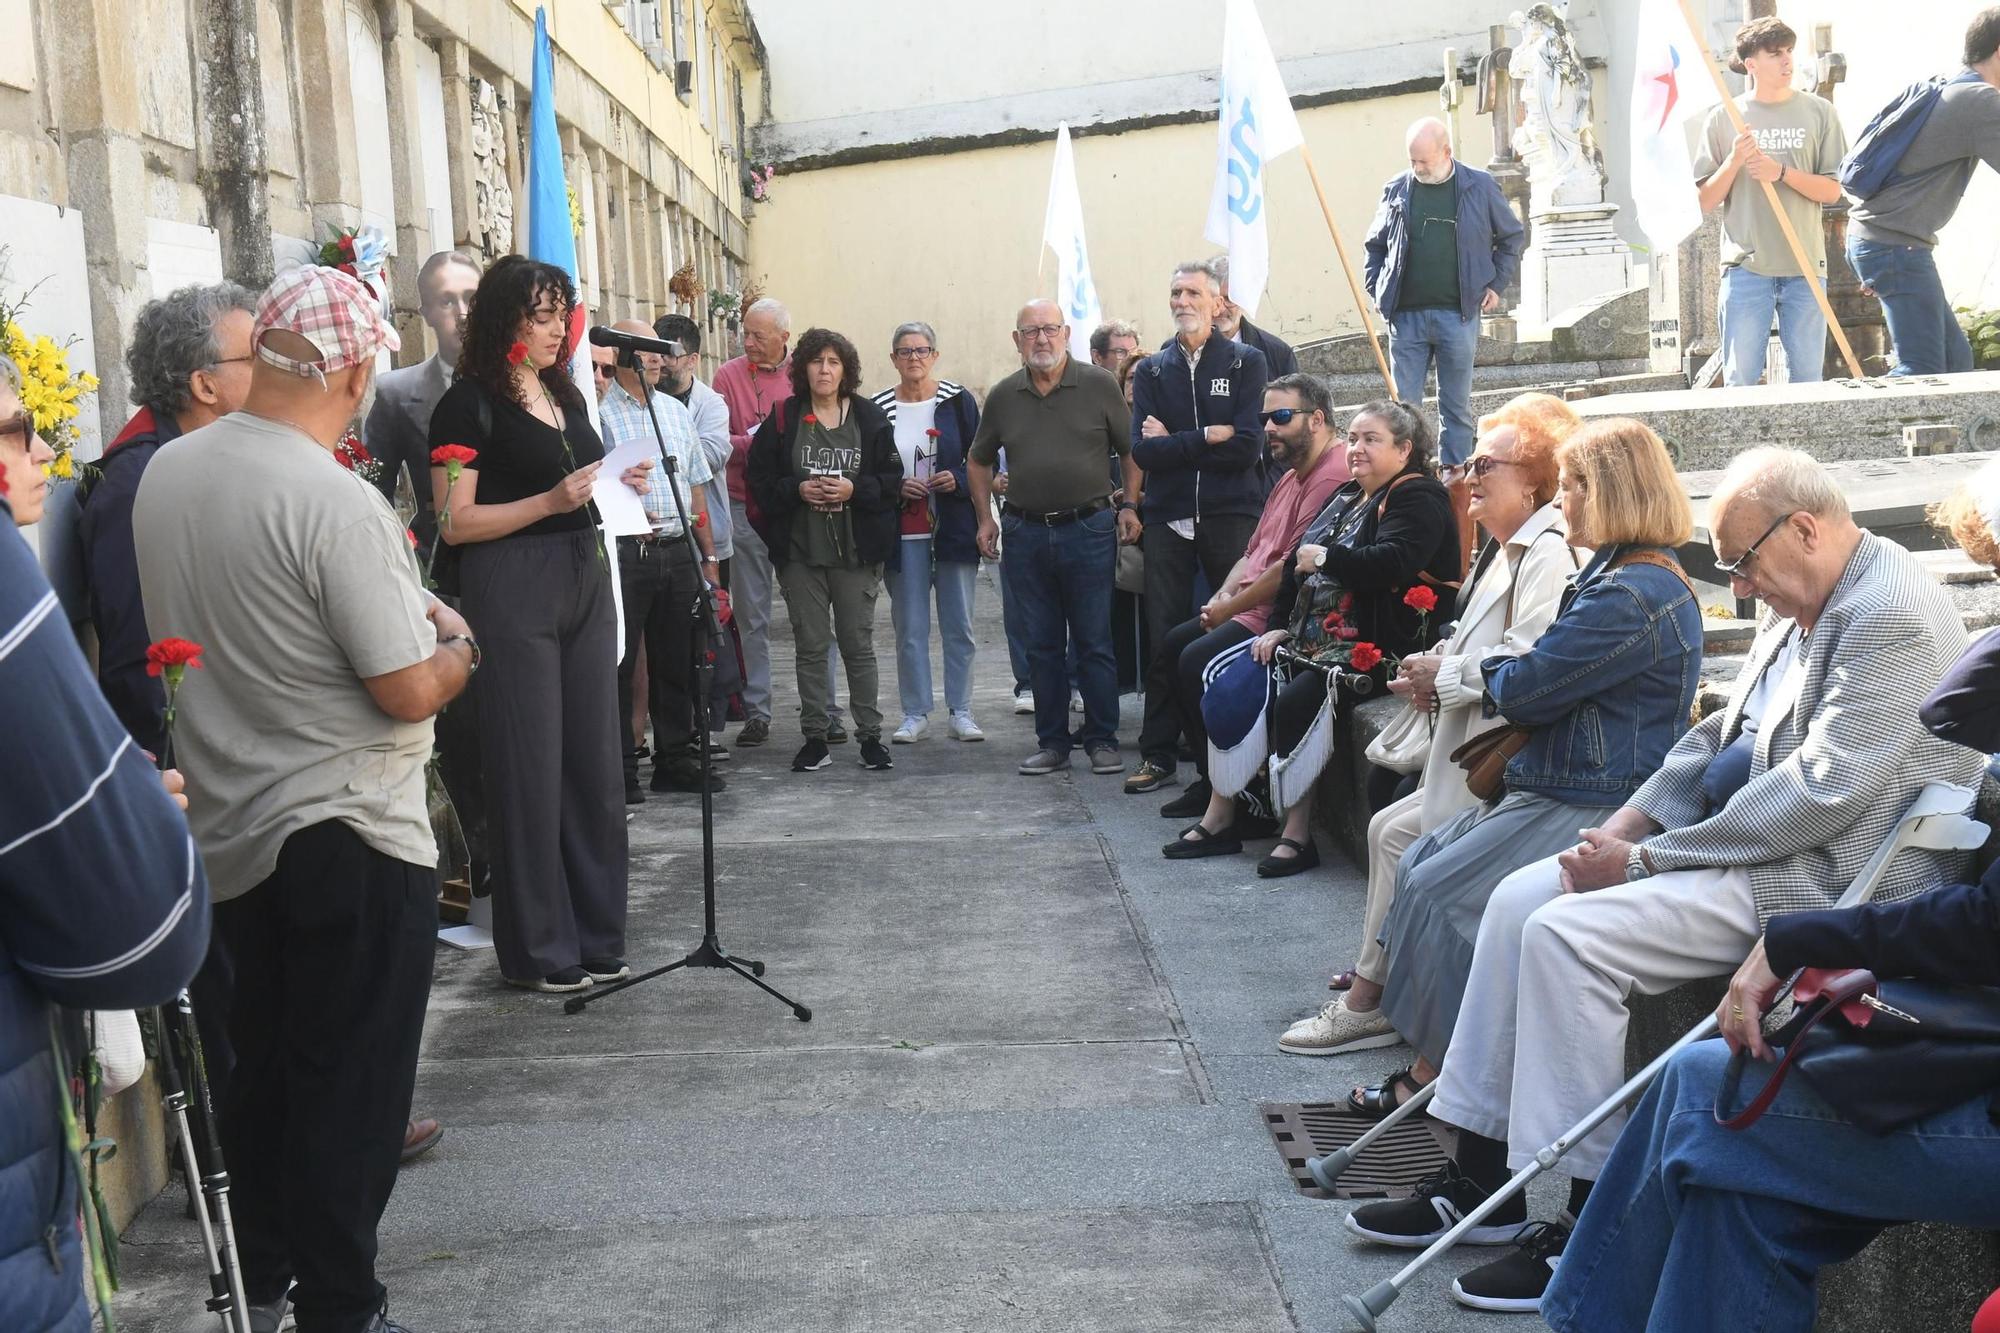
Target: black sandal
{"points": [[1375, 1103], [1305, 856], [1196, 842]]}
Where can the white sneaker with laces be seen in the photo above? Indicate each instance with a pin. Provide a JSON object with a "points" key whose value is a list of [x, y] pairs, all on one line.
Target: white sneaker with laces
{"points": [[1336, 1029], [1024, 701], [963, 728], [913, 730], [1076, 701]]}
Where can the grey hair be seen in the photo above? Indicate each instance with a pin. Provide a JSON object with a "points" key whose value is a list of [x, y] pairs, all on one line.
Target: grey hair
{"points": [[1205, 267], [11, 373], [1782, 481], [908, 327], [173, 338], [773, 307]]}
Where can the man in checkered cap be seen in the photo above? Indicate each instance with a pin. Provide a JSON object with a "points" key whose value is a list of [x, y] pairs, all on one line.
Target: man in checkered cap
{"points": [[304, 741]]}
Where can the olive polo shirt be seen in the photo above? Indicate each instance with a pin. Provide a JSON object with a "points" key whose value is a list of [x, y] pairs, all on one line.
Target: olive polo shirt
{"points": [[1057, 443]]}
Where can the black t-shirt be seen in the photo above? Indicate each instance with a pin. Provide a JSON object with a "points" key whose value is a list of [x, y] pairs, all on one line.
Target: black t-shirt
{"points": [[521, 456]]}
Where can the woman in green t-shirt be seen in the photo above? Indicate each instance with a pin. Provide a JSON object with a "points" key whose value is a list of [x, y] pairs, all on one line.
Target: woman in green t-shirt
{"points": [[825, 476]]}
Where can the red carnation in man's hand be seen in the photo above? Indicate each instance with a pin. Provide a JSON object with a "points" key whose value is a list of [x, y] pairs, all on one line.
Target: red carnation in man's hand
{"points": [[1366, 656], [1421, 599], [517, 354], [173, 655]]}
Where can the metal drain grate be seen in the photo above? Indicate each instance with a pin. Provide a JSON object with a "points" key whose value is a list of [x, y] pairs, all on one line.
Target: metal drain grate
{"points": [[1390, 1167]]}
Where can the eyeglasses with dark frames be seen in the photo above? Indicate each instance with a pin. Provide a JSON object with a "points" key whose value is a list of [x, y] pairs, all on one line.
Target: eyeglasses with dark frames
{"points": [[1280, 416], [1040, 331], [1481, 464], [1734, 569], [21, 425], [913, 353]]}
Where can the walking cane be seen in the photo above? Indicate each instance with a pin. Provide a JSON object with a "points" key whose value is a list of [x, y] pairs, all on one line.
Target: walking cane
{"points": [[1937, 820], [183, 1079]]}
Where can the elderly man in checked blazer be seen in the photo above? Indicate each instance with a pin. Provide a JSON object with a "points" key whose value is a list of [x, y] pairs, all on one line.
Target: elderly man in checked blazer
{"points": [[1770, 805]]}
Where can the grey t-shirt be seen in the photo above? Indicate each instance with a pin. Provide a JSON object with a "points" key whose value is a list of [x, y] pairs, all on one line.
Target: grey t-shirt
{"points": [[1962, 132], [1801, 133], [297, 580]]}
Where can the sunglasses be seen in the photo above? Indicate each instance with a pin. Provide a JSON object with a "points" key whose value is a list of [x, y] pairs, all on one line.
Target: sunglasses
{"points": [[20, 424], [1734, 568], [1280, 416], [1485, 463], [603, 371]]}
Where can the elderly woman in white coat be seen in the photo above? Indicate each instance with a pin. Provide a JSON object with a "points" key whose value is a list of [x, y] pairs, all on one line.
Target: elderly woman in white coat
{"points": [[1517, 583]]}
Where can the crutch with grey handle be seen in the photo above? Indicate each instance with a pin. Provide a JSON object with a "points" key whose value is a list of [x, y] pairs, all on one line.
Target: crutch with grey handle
{"points": [[1939, 819]]}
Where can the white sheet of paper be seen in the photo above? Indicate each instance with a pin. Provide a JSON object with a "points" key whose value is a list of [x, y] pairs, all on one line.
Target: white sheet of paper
{"points": [[623, 512]]}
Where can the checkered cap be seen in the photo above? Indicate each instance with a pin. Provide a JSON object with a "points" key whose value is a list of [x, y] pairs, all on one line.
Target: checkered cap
{"points": [[329, 309]]}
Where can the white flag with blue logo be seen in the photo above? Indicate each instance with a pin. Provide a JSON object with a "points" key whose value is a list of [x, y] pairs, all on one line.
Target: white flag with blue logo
{"points": [[1257, 126], [1062, 231]]}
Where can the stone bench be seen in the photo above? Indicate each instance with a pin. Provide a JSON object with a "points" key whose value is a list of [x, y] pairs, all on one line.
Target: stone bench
{"points": [[1917, 1278]]}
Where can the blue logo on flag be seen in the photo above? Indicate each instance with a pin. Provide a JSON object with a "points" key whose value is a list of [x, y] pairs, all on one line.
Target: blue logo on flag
{"points": [[1245, 167]]}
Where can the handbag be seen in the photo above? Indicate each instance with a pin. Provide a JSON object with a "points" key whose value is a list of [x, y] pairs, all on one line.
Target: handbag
{"points": [[1881, 1053], [1404, 746]]}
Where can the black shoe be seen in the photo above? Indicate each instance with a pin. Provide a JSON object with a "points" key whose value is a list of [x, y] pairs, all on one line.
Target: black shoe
{"points": [[1201, 844], [1432, 1209], [718, 753], [1516, 1283], [633, 795], [1190, 804], [685, 775], [836, 734], [641, 751], [811, 757], [875, 755], [607, 969], [555, 983]]}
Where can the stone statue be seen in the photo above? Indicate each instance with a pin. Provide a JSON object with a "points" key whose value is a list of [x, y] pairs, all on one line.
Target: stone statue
{"points": [[493, 223], [1565, 166], [1497, 98]]}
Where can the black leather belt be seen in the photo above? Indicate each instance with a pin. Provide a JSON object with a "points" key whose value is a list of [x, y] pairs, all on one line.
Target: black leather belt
{"points": [[654, 537], [1060, 516]]}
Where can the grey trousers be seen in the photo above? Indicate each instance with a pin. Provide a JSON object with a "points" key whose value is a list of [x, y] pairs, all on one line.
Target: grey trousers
{"points": [[551, 741], [825, 605], [751, 583]]}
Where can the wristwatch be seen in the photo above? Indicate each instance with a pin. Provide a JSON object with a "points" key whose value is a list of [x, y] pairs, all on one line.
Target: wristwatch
{"points": [[471, 644], [1319, 560], [1635, 865]]}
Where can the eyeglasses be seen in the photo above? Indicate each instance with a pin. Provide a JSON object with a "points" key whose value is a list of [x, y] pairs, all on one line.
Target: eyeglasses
{"points": [[1040, 330], [1279, 416], [603, 370], [913, 353], [1734, 568], [20, 424], [229, 360], [1482, 464]]}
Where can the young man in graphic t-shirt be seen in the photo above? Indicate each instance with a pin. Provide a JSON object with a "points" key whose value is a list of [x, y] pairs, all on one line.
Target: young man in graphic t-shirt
{"points": [[1795, 142]]}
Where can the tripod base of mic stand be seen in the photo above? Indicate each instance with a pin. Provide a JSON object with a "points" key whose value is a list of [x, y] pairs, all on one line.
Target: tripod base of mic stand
{"points": [[709, 953]]}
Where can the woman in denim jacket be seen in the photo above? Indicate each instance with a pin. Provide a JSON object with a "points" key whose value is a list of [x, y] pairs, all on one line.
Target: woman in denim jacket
{"points": [[1606, 689]]}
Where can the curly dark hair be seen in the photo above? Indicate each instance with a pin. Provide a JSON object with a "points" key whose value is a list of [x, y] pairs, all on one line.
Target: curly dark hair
{"points": [[508, 294], [811, 343]]}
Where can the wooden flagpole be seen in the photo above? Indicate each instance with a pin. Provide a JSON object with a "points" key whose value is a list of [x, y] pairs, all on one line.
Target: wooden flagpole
{"points": [[1771, 197], [1347, 266]]}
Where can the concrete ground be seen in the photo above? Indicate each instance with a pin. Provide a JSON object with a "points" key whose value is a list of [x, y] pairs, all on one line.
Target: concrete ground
{"points": [[1027, 1099]]}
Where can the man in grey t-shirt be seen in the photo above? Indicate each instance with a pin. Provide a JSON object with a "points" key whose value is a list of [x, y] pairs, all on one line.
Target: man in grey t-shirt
{"points": [[304, 740], [1794, 142], [1892, 234]]}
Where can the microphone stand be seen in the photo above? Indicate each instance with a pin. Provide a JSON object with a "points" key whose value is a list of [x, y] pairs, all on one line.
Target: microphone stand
{"points": [[709, 953]]}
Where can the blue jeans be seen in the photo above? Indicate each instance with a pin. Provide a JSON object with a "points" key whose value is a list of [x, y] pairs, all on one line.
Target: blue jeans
{"points": [[1748, 301], [1059, 592], [910, 585], [1416, 339], [1674, 1238], [1017, 647], [1905, 280]]}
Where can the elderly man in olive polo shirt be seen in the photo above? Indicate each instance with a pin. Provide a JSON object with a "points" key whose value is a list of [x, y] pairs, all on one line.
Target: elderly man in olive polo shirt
{"points": [[1059, 422]]}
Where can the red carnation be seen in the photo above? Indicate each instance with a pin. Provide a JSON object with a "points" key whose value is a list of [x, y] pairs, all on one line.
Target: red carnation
{"points": [[1366, 656], [1347, 633], [346, 247], [517, 353], [809, 419], [172, 656], [447, 454], [932, 432], [1421, 599], [1332, 621], [411, 533]]}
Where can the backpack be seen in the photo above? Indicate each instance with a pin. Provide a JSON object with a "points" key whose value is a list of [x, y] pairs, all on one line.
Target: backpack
{"points": [[1870, 166]]}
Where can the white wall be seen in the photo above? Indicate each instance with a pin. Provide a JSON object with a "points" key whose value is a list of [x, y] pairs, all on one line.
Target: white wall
{"points": [[436, 157]]}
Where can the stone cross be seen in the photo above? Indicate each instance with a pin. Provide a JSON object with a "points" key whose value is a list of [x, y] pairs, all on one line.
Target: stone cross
{"points": [[1498, 100], [1449, 96]]}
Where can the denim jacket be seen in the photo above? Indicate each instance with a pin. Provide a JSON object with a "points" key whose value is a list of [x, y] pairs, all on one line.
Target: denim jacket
{"points": [[1608, 687]]}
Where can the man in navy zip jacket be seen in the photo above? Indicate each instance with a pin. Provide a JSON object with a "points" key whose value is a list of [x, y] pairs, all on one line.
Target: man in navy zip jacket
{"points": [[103, 905], [1443, 246], [1197, 434]]}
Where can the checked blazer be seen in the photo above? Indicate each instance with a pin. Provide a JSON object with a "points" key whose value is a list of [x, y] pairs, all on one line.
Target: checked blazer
{"points": [[1835, 767]]}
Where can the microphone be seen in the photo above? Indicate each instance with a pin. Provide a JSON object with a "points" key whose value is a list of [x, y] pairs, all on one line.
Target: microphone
{"points": [[604, 336]]}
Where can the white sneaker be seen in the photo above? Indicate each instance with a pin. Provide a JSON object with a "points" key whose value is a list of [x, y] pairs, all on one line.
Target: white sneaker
{"points": [[1076, 701], [913, 730], [1024, 701], [963, 728], [1336, 1029]]}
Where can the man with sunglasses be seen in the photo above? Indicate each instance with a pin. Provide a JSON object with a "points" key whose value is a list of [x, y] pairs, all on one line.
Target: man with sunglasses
{"points": [[1298, 429]]}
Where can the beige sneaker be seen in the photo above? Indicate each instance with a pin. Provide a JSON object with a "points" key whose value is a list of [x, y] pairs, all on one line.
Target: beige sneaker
{"points": [[1336, 1029]]}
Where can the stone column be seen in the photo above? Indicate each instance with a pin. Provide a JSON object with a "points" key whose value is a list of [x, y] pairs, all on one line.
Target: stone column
{"points": [[455, 66], [412, 239], [600, 187], [510, 120], [229, 103], [573, 162], [657, 272], [330, 160]]}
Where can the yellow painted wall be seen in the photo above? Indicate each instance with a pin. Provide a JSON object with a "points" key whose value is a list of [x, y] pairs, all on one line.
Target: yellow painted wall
{"points": [[955, 239]]}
